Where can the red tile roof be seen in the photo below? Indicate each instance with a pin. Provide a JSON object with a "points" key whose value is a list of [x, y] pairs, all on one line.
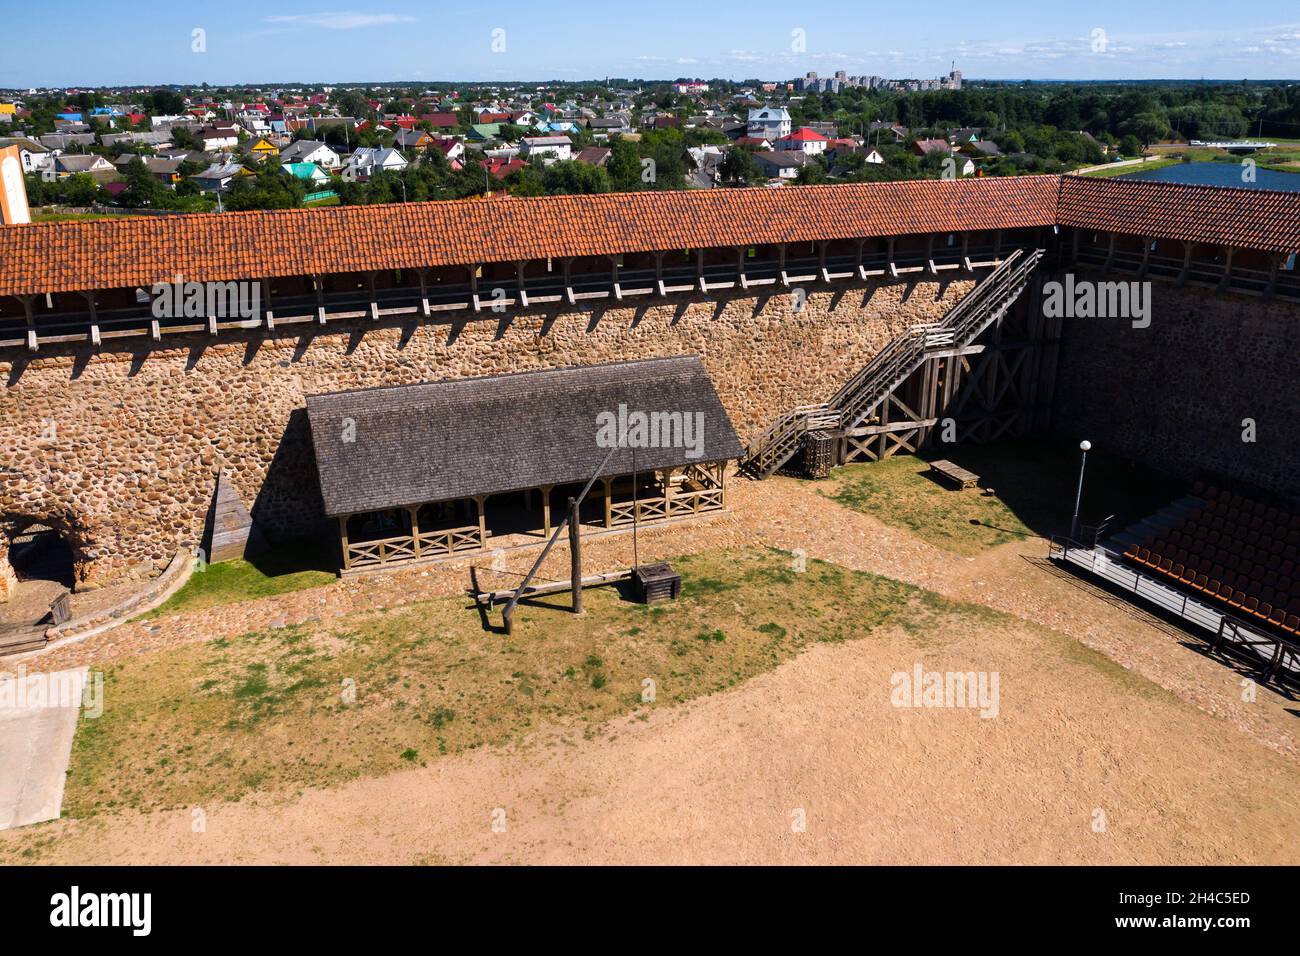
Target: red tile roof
{"points": [[92, 254], [804, 134], [112, 253], [1261, 219]]}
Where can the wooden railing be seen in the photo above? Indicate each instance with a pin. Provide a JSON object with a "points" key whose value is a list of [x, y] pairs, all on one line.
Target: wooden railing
{"points": [[679, 505], [428, 544]]}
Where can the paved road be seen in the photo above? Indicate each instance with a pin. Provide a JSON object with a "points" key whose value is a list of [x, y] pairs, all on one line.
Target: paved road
{"points": [[35, 744]]}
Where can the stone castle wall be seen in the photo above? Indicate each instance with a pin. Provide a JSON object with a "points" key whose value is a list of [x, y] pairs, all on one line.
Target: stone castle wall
{"points": [[118, 449], [1176, 396]]}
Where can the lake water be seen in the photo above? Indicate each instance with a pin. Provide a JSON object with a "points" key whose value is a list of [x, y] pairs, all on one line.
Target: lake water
{"points": [[1219, 174]]}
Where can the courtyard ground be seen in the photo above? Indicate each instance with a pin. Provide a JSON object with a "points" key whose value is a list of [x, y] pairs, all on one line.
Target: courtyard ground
{"points": [[224, 736]]}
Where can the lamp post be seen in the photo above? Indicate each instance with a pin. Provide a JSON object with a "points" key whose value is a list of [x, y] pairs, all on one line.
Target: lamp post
{"points": [[1084, 447]]}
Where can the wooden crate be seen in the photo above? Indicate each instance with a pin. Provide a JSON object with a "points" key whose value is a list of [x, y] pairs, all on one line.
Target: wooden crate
{"points": [[657, 582], [819, 454]]}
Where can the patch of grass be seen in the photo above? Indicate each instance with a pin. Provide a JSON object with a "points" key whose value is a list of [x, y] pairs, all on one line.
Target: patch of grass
{"points": [[289, 569], [325, 702], [1033, 485]]}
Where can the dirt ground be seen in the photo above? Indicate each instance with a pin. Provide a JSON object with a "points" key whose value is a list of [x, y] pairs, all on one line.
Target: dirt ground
{"points": [[1155, 755]]}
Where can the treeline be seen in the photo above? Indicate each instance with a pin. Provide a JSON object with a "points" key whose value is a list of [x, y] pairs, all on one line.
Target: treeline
{"points": [[1108, 112]]}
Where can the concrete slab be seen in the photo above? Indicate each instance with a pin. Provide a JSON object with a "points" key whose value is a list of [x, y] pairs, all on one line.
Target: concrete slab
{"points": [[37, 725]]}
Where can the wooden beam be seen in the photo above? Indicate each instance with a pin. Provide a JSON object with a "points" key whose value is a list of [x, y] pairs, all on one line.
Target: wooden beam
{"points": [[546, 510], [480, 502], [1187, 263], [575, 556], [415, 528], [889, 258], [699, 269], [343, 538], [424, 293], [32, 344], [659, 273], [740, 267], [785, 279], [618, 289], [473, 287], [523, 288], [1227, 271], [267, 314]]}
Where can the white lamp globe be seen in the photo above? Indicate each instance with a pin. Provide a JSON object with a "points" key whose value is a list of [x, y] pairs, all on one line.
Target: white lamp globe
{"points": [[1085, 445]]}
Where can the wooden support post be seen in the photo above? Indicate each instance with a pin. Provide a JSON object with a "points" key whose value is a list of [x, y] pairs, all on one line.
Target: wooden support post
{"points": [[618, 290], [1146, 255], [1227, 271], [740, 267], [473, 287], [997, 243], [699, 269], [415, 529], [424, 293], [965, 251], [785, 279], [929, 255], [821, 260], [1187, 263], [267, 314], [374, 305], [1110, 254], [858, 267], [480, 502], [32, 344], [343, 539], [318, 283], [893, 269], [575, 556], [94, 318], [523, 289], [567, 264], [659, 273], [609, 503], [1272, 274], [546, 509]]}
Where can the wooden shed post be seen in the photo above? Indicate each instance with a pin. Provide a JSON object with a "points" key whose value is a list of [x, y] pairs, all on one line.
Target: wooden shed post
{"points": [[546, 509], [480, 502], [415, 528], [575, 556], [343, 539], [609, 503]]}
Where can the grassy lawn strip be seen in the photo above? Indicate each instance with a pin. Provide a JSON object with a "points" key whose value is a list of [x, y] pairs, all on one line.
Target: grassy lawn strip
{"points": [[1034, 485], [284, 570], [265, 711]]}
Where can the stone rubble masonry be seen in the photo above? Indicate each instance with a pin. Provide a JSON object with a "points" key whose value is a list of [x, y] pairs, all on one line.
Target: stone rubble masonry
{"points": [[1174, 396], [119, 449]]}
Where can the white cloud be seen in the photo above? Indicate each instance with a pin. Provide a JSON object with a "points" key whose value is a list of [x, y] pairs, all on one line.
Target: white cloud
{"points": [[341, 20]]}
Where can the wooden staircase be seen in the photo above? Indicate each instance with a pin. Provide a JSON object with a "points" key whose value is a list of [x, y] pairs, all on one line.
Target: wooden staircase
{"points": [[858, 399]]}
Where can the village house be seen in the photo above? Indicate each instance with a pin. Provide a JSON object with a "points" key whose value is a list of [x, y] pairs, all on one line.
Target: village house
{"points": [[804, 140], [366, 161], [771, 123], [311, 151], [547, 147]]}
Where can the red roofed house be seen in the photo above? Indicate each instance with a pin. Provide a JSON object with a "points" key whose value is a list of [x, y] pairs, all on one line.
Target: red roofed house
{"points": [[441, 120], [924, 147], [453, 149], [804, 140], [501, 168]]}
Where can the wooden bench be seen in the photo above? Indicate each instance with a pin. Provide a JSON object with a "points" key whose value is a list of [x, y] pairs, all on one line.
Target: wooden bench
{"points": [[958, 475]]}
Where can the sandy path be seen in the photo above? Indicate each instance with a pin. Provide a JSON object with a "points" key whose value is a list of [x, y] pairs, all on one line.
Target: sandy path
{"points": [[716, 781]]}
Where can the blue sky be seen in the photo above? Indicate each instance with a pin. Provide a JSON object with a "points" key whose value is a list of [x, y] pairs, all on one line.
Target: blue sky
{"points": [[138, 42]]}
